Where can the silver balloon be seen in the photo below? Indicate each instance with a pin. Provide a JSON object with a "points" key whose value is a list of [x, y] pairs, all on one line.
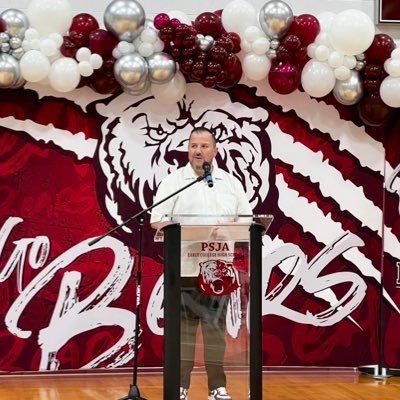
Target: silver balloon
{"points": [[16, 22], [124, 19], [4, 37], [5, 47], [349, 91], [10, 72], [204, 43], [162, 67], [20, 82], [137, 90], [15, 42], [130, 69], [275, 18], [17, 53]]}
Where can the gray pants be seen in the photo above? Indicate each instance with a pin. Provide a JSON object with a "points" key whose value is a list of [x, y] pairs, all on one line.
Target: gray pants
{"points": [[197, 309]]}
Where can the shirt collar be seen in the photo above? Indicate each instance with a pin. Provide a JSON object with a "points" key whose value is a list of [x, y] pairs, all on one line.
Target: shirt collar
{"points": [[189, 173]]}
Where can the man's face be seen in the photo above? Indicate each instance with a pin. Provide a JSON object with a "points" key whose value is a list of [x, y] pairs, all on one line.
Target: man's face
{"points": [[201, 148]]}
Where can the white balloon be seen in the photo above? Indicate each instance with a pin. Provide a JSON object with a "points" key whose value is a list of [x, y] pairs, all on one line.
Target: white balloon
{"points": [[311, 50], [83, 54], [322, 53], [85, 68], [170, 92], [49, 16], [31, 34], [58, 39], [245, 45], [390, 91], [260, 45], [148, 35], [48, 47], [342, 73], [335, 59], [64, 75], [322, 39], [256, 66], [325, 20], [252, 33], [96, 60], [352, 32], [317, 78], [158, 46], [146, 49], [238, 15], [349, 61], [392, 67], [395, 53], [34, 65]]}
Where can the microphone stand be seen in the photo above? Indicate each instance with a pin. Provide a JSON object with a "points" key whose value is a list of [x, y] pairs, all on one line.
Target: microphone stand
{"points": [[134, 393]]}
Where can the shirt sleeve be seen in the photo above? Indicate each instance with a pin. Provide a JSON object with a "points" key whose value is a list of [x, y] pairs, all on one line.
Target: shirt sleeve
{"points": [[163, 191]]}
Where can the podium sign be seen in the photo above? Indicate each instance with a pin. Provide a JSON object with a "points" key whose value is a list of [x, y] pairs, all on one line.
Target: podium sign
{"points": [[213, 270]]}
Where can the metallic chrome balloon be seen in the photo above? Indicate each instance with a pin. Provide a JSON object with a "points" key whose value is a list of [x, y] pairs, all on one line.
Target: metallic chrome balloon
{"points": [[124, 19], [130, 69], [137, 90], [349, 91], [162, 67], [275, 18], [204, 43], [16, 22], [10, 72]]}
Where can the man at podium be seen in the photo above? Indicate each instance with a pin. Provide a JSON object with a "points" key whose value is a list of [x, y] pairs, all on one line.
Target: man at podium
{"points": [[219, 193]]}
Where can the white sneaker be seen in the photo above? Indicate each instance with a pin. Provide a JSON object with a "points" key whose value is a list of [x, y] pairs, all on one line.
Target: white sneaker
{"points": [[183, 394], [219, 394]]}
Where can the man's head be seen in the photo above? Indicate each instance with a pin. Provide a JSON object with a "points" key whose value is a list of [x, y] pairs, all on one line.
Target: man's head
{"points": [[202, 148]]}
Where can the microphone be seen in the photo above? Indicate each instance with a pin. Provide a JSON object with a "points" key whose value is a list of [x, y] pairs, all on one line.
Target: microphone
{"points": [[207, 174]]}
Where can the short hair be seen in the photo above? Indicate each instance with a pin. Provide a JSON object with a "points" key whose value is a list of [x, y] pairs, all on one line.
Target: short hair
{"points": [[202, 129]]}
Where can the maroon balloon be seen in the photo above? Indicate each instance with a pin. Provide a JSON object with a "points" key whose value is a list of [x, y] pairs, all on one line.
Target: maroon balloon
{"points": [[208, 23], [226, 43], [166, 33], [161, 20], [218, 54], [372, 71], [213, 68], [291, 42], [209, 81], [198, 70], [301, 56], [189, 41], [235, 40], [79, 38], [182, 30], [102, 42], [233, 72], [284, 77], [306, 27], [186, 65], [371, 85], [84, 24], [3, 25], [373, 111], [283, 54], [68, 47], [380, 49], [103, 80]]}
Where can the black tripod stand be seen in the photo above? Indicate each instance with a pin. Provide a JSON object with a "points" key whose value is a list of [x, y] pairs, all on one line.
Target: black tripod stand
{"points": [[134, 393]]}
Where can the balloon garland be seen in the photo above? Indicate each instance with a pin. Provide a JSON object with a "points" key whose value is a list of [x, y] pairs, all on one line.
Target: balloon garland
{"points": [[328, 53]]}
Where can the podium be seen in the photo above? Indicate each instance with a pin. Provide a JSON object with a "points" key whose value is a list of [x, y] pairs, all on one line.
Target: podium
{"points": [[222, 255]]}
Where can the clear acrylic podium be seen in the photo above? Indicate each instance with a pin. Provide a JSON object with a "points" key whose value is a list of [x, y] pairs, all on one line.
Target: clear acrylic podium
{"points": [[223, 256]]}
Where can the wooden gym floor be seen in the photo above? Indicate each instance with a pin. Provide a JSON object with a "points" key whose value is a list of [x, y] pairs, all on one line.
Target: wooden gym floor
{"points": [[323, 384]]}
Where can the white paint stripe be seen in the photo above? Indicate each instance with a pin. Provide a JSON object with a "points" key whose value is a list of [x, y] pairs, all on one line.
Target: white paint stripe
{"points": [[331, 182], [73, 142]]}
